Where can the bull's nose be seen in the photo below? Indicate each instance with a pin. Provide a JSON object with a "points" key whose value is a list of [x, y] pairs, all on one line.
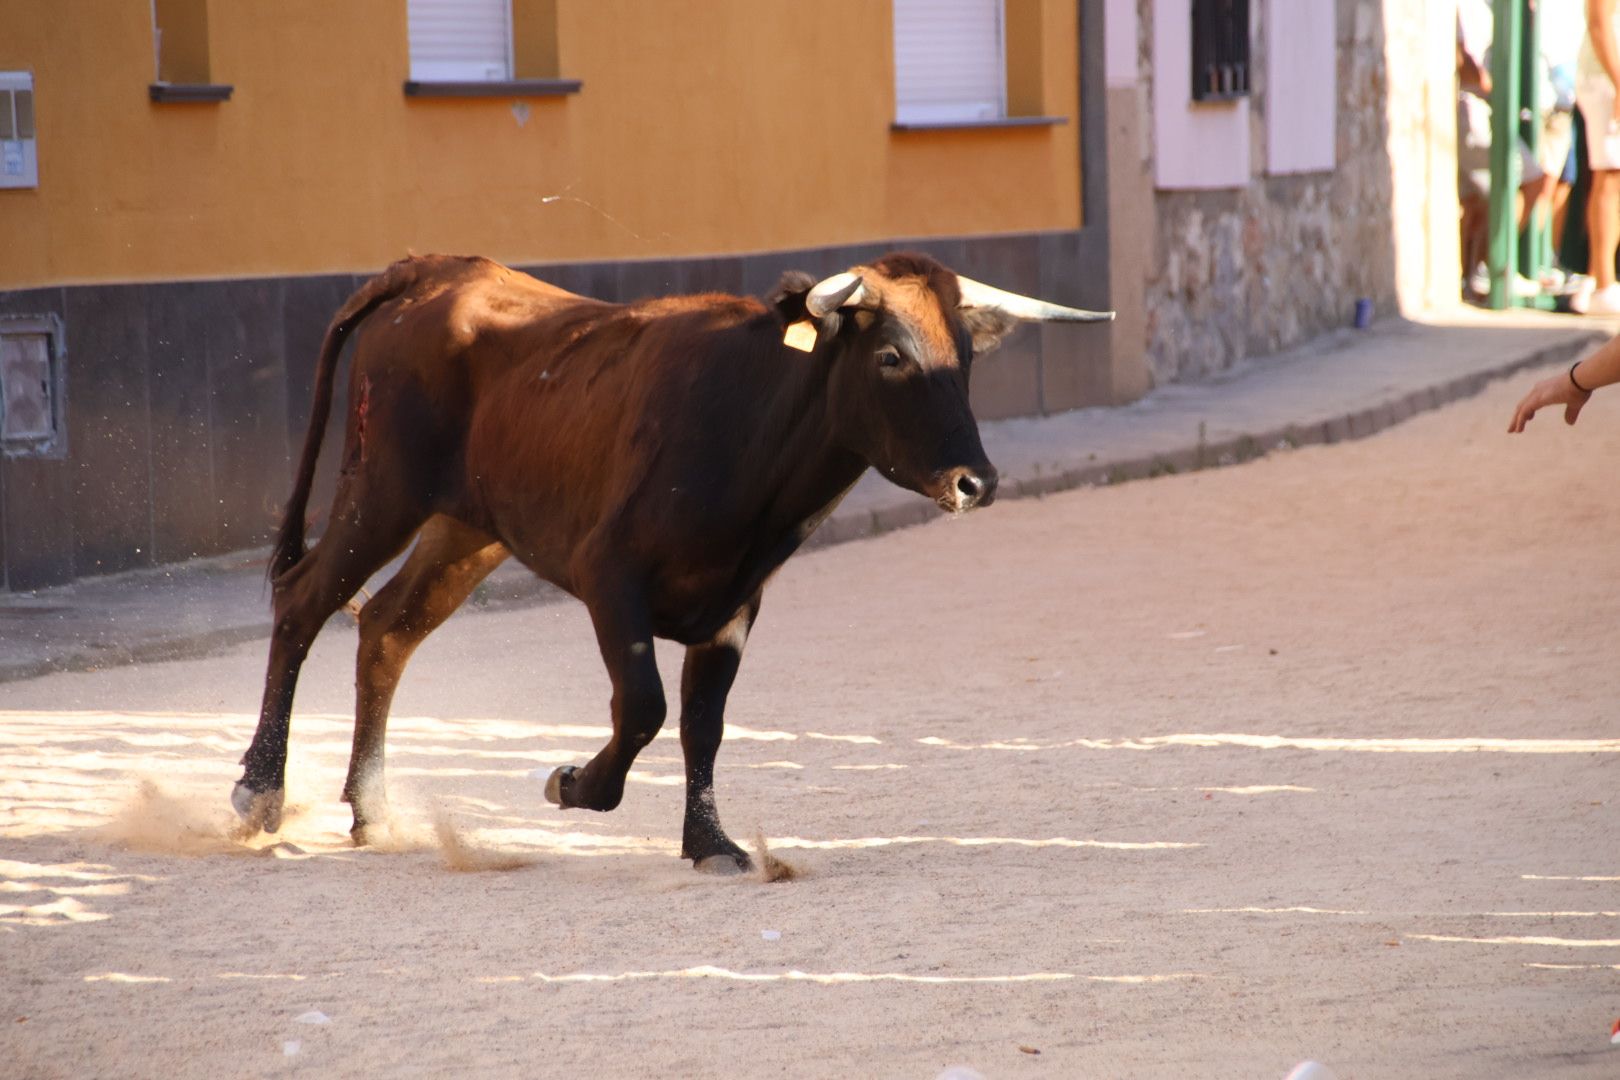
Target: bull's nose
{"points": [[971, 488]]}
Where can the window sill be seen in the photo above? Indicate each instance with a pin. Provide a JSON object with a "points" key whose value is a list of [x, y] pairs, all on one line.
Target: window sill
{"points": [[193, 93], [504, 88], [976, 125]]}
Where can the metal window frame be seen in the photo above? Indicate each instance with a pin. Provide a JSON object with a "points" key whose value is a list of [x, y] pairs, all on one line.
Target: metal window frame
{"points": [[55, 444]]}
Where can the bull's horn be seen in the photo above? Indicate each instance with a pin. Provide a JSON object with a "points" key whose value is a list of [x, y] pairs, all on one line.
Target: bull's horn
{"points": [[978, 294], [830, 294]]}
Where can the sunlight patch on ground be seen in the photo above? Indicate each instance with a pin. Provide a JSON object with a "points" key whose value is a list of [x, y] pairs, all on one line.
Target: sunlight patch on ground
{"points": [[75, 871], [542, 840], [1575, 967], [1562, 877], [1283, 742], [1270, 911], [1552, 914], [869, 768], [1259, 789], [833, 978], [976, 841], [1408, 914], [860, 740], [111, 888], [58, 912], [1564, 943], [121, 977]]}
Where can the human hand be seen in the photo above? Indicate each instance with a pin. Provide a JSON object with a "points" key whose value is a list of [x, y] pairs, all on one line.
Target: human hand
{"points": [[1553, 390]]}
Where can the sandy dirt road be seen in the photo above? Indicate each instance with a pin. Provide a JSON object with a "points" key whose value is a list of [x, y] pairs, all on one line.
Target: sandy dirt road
{"points": [[1316, 757]]}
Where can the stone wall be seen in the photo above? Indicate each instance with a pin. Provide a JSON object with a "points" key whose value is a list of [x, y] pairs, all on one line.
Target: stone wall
{"points": [[1249, 271]]}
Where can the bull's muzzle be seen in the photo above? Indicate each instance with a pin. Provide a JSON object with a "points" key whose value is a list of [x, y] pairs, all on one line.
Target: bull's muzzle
{"points": [[968, 488]]}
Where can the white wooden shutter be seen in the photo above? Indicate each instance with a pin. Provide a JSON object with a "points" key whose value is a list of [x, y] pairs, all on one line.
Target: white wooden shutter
{"points": [[1302, 98], [949, 61], [460, 40]]}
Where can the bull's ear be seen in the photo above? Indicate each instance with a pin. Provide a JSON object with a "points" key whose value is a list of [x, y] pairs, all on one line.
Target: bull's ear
{"points": [[788, 298], [988, 326]]}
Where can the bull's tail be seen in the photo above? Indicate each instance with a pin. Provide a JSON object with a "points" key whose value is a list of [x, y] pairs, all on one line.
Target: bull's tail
{"points": [[289, 543]]}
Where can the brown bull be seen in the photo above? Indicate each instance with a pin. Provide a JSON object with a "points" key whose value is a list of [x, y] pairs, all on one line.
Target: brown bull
{"points": [[657, 460]]}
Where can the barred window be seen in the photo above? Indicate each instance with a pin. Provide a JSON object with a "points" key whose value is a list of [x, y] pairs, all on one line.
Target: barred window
{"points": [[1220, 50]]}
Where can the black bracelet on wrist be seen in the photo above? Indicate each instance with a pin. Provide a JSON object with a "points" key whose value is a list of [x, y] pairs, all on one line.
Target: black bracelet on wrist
{"points": [[1573, 381]]}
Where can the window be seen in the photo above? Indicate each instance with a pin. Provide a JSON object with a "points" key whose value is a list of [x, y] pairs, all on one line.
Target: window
{"points": [[30, 385], [1220, 50], [19, 155], [460, 40], [949, 61], [181, 54], [484, 48]]}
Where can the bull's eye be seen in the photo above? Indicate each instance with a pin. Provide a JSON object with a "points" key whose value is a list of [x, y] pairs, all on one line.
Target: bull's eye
{"points": [[888, 357]]}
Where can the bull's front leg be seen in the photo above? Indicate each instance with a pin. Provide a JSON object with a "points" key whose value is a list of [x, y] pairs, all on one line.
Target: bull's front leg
{"points": [[706, 679], [624, 634]]}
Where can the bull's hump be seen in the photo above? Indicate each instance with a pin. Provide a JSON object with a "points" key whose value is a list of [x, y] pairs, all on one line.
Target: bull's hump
{"points": [[718, 306]]}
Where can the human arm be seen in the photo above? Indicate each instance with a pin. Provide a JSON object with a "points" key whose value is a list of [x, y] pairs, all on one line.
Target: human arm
{"points": [[1572, 388], [1473, 76]]}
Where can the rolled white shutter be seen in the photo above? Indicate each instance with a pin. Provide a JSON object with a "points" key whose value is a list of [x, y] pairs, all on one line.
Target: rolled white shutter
{"points": [[460, 40], [949, 61]]}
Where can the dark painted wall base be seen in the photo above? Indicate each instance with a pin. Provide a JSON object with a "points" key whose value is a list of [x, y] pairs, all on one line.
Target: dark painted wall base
{"points": [[187, 401]]}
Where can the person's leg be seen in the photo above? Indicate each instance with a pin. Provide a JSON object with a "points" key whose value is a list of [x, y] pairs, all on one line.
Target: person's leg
{"points": [[1560, 207], [1531, 177], [1474, 215], [1603, 225]]}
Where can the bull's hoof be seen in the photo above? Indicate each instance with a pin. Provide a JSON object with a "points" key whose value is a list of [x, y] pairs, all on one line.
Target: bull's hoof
{"points": [[723, 865], [258, 809], [564, 775]]}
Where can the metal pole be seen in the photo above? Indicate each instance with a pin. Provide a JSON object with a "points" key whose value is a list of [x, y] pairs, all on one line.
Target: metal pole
{"points": [[1536, 248], [1506, 47]]}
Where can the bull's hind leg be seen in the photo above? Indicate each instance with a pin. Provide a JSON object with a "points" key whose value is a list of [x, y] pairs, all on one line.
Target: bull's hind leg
{"points": [[448, 562], [304, 598], [706, 679]]}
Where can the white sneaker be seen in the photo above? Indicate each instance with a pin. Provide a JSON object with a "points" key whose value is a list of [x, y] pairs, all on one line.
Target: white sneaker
{"points": [[1525, 288], [1581, 298], [1605, 301], [1479, 284]]}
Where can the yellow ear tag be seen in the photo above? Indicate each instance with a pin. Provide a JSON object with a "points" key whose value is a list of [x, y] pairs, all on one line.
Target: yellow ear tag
{"points": [[801, 335]]}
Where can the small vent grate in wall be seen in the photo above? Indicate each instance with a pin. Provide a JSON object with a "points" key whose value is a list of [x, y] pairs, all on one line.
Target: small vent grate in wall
{"points": [[30, 386]]}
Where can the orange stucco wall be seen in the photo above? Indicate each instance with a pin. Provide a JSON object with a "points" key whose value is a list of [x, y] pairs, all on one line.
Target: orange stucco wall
{"points": [[704, 126]]}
